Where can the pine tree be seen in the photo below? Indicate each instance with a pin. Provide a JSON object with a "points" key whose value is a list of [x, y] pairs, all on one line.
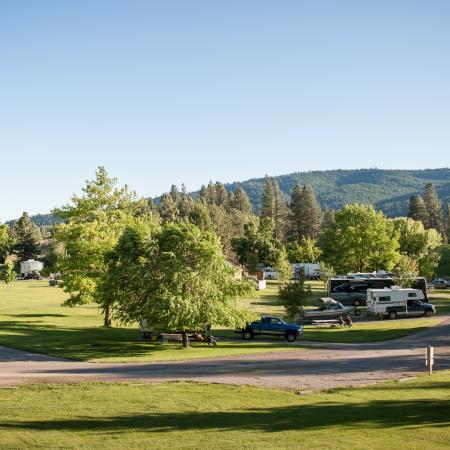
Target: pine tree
{"points": [[221, 195], [27, 236], [241, 202], [311, 218], [434, 207], [296, 212], [417, 209], [280, 212], [168, 209], [185, 205], [267, 199], [175, 194]]}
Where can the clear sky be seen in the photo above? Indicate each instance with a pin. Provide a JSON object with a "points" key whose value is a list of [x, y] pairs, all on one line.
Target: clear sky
{"points": [[163, 92]]}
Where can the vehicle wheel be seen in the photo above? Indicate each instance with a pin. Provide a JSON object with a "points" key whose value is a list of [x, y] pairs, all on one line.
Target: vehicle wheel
{"points": [[269, 277], [247, 335], [392, 315], [428, 313], [357, 312], [356, 303], [291, 337]]}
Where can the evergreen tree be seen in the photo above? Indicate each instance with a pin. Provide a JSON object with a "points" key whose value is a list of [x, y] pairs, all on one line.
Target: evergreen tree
{"points": [[311, 217], [168, 209], [175, 194], [329, 216], [220, 195], [280, 213], [200, 217], [185, 205], [241, 202], [27, 236], [296, 212], [267, 199], [434, 207], [417, 209]]}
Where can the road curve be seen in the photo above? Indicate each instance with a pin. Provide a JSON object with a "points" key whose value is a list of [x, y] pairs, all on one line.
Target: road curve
{"points": [[308, 369]]}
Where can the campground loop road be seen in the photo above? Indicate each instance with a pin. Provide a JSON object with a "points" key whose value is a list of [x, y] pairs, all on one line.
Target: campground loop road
{"points": [[313, 368]]}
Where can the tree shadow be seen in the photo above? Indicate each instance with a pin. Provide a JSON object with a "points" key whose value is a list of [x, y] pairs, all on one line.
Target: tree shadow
{"points": [[371, 414]]}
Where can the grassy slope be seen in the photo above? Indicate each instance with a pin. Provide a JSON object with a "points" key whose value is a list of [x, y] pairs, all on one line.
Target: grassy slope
{"points": [[411, 414]]}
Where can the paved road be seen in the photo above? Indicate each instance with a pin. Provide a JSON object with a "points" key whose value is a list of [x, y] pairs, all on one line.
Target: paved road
{"points": [[307, 369]]}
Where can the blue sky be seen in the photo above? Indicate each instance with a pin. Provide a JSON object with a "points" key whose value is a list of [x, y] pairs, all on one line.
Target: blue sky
{"points": [[163, 92]]}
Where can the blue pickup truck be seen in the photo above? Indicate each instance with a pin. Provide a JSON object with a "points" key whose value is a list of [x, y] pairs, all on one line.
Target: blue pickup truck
{"points": [[272, 326]]}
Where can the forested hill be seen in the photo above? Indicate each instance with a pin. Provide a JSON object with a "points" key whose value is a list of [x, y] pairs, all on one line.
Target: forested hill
{"points": [[388, 190]]}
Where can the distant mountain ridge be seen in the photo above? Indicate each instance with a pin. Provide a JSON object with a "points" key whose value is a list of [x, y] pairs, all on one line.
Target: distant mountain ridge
{"points": [[387, 190]]}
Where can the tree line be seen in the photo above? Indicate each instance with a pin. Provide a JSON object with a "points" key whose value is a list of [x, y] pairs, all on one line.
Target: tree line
{"points": [[174, 261]]}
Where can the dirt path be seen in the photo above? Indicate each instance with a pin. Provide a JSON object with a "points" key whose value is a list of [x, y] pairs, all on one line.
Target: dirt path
{"points": [[303, 370]]}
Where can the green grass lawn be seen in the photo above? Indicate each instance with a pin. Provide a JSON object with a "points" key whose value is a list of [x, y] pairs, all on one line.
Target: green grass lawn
{"points": [[413, 414], [32, 318]]}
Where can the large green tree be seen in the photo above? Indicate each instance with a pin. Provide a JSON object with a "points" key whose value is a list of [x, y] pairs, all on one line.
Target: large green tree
{"points": [[27, 236], [420, 245], [93, 223], [361, 239], [6, 243], [176, 278], [257, 246], [418, 209], [435, 218], [306, 215]]}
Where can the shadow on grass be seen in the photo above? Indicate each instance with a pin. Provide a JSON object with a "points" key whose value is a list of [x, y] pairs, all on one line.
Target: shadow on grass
{"points": [[372, 414], [87, 343], [34, 315]]}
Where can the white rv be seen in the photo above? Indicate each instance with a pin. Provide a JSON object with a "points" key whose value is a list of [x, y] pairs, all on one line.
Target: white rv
{"points": [[31, 266], [311, 270], [398, 302]]}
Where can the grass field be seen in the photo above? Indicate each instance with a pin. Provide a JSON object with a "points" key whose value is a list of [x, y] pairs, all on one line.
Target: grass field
{"points": [[32, 318], [413, 414]]}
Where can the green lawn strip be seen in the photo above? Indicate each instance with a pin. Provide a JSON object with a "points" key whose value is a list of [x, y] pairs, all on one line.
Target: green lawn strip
{"points": [[441, 298], [410, 415]]}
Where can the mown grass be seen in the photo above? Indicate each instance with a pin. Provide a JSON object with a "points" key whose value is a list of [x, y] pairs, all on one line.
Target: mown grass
{"points": [[408, 415], [32, 318]]}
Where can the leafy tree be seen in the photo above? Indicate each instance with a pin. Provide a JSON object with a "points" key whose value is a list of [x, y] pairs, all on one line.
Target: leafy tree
{"points": [[305, 251], [176, 278], [258, 242], [294, 295], [419, 244], [199, 215], [6, 243], [282, 265], [93, 224], [27, 236], [435, 218], [405, 272], [7, 273], [326, 272], [417, 209], [361, 239]]}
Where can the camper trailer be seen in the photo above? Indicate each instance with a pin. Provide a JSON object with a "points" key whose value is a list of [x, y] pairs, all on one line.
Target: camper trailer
{"points": [[397, 302]]}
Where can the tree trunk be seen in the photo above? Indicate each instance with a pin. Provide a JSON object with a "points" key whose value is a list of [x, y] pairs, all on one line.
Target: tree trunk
{"points": [[185, 339], [107, 319]]}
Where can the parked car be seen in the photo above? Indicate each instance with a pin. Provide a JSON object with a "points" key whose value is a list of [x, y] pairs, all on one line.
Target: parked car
{"points": [[272, 326], [438, 283]]}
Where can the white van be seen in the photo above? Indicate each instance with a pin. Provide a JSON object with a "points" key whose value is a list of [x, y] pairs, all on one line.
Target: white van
{"points": [[398, 302]]}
